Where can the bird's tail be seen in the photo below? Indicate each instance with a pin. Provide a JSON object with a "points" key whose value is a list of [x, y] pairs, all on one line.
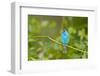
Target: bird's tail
{"points": [[65, 49]]}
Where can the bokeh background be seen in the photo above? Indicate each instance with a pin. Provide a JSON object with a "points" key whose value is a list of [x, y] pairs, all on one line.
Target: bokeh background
{"points": [[44, 36]]}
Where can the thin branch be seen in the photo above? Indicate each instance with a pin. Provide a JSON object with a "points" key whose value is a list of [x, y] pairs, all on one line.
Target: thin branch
{"points": [[61, 43]]}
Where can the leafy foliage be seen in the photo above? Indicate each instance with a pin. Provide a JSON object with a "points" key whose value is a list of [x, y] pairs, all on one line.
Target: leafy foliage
{"points": [[41, 47]]}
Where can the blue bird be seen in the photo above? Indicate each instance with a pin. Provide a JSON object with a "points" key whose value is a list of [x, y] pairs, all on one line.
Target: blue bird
{"points": [[65, 39]]}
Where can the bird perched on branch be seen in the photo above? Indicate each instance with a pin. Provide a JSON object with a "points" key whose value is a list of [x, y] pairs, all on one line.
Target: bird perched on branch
{"points": [[65, 39]]}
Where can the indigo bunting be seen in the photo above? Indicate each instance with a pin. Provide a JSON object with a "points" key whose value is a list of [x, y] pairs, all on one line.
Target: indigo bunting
{"points": [[65, 39]]}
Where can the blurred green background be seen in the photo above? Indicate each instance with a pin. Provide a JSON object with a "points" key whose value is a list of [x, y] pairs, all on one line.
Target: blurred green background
{"points": [[41, 47]]}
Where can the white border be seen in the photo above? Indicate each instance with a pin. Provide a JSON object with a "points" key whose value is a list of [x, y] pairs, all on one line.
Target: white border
{"points": [[19, 61]]}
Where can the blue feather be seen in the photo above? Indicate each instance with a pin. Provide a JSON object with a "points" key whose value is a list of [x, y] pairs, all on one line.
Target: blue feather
{"points": [[65, 38]]}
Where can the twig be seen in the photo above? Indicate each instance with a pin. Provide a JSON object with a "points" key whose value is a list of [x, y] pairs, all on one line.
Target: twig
{"points": [[62, 44]]}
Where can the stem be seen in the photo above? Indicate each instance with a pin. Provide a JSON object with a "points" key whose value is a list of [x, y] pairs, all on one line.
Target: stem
{"points": [[62, 44]]}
